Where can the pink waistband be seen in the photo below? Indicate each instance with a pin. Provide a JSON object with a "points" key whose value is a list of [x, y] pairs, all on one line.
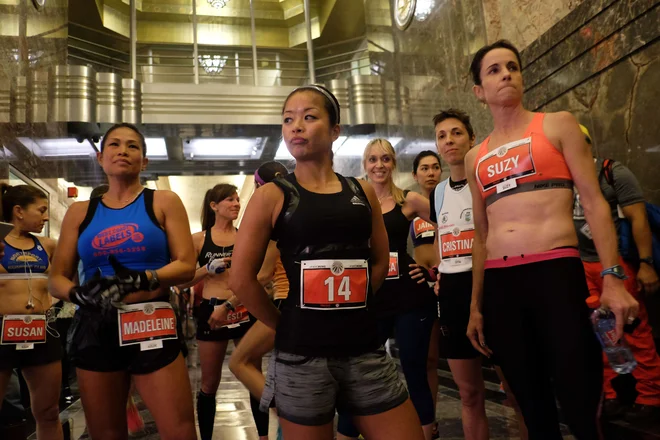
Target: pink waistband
{"points": [[518, 260]]}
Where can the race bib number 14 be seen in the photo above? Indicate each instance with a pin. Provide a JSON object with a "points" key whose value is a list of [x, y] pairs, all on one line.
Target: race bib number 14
{"points": [[334, 284]]}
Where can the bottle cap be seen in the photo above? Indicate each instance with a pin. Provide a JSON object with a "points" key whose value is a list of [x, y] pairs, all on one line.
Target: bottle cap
{"points": [[593, 302]]}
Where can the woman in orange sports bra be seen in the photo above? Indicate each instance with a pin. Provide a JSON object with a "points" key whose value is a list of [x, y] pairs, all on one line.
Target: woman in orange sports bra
{"points": [[529, 289]]}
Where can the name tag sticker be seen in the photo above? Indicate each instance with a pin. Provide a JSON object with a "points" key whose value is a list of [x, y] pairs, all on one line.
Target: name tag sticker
{"points": [[504, 164], [334, 284], [506, 185], [147, 322], [23, 330], [151, 345], [393, 271]]}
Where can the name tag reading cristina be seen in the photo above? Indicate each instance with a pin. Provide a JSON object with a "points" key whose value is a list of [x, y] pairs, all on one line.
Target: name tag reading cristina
{"points": [[334, 284], [147, 324], [23, 331]]}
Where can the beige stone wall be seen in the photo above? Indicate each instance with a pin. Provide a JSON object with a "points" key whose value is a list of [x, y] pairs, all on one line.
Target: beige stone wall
{"points": [[523, 21]]}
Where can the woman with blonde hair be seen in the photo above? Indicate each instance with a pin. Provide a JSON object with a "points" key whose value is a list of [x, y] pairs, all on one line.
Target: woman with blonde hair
{"points": [[403, 306]]}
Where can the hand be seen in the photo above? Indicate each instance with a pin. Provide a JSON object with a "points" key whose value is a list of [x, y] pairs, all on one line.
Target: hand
{"points": [[616, 298], [99, 292], [218, 316], [436, 288], [422, 274], [647, 279], [128, 280], [475, 333], [218, 266]]}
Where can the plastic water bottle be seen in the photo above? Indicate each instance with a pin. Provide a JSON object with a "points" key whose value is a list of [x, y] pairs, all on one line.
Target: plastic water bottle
{"points": [[618, 353]]}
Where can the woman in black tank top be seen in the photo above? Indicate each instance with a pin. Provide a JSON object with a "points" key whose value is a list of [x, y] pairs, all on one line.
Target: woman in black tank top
{"points": [[404, 307], [220, 317], [333, 246]]}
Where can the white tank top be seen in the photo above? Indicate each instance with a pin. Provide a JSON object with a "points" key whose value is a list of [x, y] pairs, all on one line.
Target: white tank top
{"points": [[453, 209]]}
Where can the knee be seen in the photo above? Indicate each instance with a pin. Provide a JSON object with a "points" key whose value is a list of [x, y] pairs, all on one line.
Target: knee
{"points": [[46, 413], [236, 363], [471, 396], [210, 385]]}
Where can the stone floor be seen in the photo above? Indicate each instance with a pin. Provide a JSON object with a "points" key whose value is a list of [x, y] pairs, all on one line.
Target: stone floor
{"points": [[234, 419]]}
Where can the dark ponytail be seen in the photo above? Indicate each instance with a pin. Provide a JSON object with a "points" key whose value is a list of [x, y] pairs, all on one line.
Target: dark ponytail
{"points": [[269, 171], [19, 195], [214, 195]]}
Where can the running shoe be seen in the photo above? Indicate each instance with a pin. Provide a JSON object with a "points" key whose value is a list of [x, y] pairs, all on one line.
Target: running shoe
{"points": [[133, 417]]}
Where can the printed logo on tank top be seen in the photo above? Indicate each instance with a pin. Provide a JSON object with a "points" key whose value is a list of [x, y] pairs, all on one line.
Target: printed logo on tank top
{"points": [[501, 167], [423, 229], [210, 256], [110, 239], [26, 259]]}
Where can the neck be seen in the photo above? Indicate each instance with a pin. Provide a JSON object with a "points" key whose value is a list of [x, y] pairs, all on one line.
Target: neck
{"points": [[223, 224], [508, 119], [314, 172], [457, 172], [17, 232], [382, 189], [120, 189], [425, 192]]}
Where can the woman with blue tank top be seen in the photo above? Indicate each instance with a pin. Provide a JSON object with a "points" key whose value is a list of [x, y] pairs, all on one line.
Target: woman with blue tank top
{"points": [[404, 307], [134, 243], [29, 340], [333, 246]]}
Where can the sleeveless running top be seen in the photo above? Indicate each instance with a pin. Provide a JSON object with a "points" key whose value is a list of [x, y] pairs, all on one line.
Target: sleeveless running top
{"points": [[528, 164], [323, 241], [210, 251], [400, 293], [452, 211], [421, 232], [33, 260], [132, 234], [280, 281]]}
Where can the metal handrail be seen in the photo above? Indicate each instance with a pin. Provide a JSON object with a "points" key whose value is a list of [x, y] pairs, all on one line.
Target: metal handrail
{"points": [[112, 49], [341, 55], [343, 62], [87, 60], [338, 43], [378, 46]]}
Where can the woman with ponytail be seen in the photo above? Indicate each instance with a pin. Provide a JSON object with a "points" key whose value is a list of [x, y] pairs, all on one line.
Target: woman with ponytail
{"points": [[221, 317], [29, 338]]}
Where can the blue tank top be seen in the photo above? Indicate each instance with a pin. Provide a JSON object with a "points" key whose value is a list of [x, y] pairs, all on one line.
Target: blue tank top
{"points": [[33, 260], [132, 234]]}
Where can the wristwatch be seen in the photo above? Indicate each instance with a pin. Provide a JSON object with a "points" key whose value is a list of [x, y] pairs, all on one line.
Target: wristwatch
{"points": [[154, 282], [616, 271], [647, 260], [229, 306]]}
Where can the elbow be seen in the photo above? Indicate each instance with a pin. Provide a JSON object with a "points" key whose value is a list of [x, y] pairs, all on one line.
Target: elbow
{"points": [[188, 274]]}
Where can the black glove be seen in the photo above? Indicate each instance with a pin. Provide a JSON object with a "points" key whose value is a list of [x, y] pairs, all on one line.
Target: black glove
{"points": [[128, 281], [99, 292]]}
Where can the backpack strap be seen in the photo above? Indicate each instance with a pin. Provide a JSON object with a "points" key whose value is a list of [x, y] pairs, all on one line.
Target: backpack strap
{"points": [[439, 198], [606, 172]]}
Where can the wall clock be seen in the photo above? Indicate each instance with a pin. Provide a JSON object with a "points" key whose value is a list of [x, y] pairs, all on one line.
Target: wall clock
{"points": [[404, 11]]}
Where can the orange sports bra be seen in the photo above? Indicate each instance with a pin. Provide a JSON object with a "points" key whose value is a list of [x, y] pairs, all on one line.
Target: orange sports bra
{"points": [[528, 164], [280, 281]]}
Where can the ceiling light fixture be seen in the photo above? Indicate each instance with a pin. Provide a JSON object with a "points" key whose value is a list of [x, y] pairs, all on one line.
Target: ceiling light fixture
{"points": [[218, 4], [213, 64]]}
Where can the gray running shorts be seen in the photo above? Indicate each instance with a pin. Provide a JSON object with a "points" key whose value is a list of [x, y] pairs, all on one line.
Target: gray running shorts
{"points": [[308, 390]]}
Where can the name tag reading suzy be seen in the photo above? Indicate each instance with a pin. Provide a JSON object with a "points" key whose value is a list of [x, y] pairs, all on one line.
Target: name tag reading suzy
{"points": [[23, 331], [334, 284], [502, 167], [147, 324]]}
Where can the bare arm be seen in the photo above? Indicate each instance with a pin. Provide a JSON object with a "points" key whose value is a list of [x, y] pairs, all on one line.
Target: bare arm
{"points": [[475, 330], [200, 272], [177, 228], [636, 214], [249, 252], [418, 206], [380, 246], [63, 270], [564, 127]]}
